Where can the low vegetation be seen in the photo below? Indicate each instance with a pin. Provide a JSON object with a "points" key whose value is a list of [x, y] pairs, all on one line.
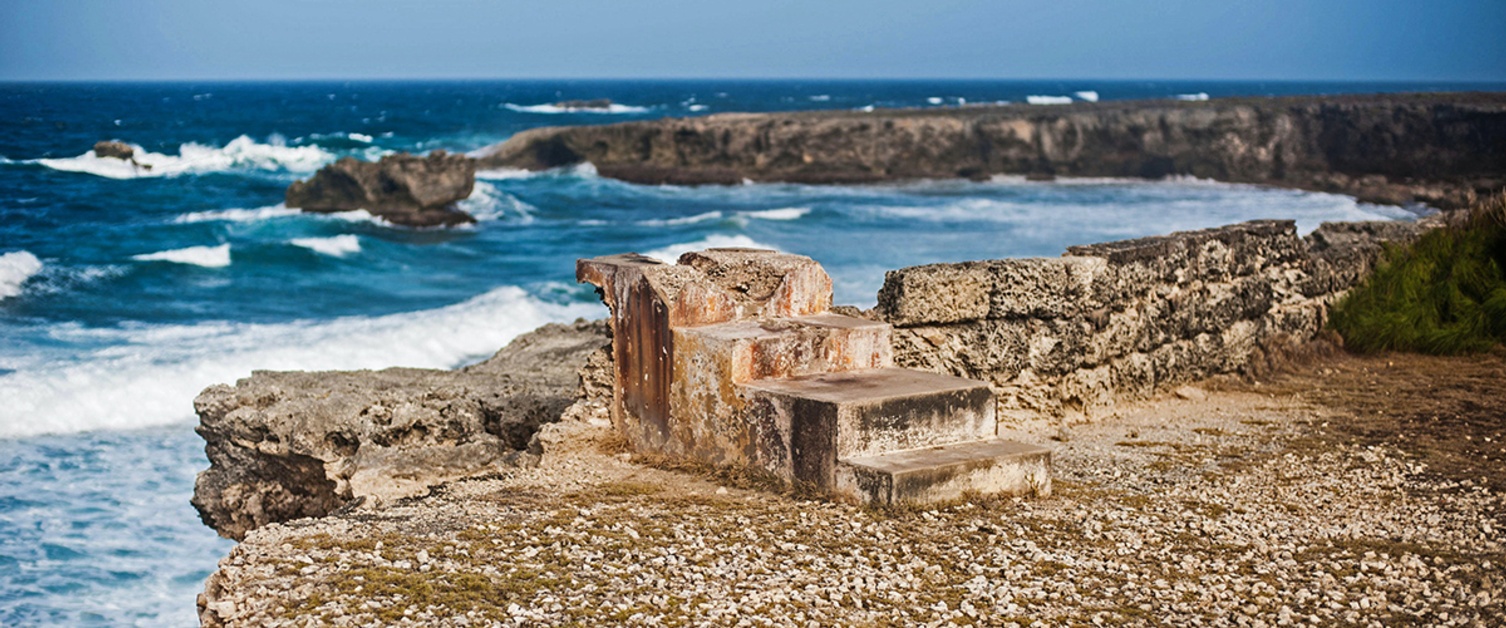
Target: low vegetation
{"points": [[1444, 294]]}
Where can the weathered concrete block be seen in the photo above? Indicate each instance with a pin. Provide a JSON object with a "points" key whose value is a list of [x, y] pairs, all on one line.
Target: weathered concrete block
{"points": [[752, 349], [947, 473], [765, 283], [832, 416], [648, 299]]}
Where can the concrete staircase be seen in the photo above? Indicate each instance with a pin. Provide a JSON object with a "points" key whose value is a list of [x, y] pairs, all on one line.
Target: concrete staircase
{"points": [[733, 356]]}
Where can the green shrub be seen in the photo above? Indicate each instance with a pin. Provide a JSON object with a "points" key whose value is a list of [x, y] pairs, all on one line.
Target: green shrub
{"points": [[1444, 294]]}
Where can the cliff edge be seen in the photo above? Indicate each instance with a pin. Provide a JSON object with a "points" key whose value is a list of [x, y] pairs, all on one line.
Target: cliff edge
{"points": [[287, 445]]}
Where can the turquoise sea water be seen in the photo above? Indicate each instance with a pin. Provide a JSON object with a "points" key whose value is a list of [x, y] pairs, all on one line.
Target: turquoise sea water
{"points": [[124, 292]]}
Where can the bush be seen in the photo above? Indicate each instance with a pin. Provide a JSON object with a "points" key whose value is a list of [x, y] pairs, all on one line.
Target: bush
{"points": [[1444, 294]]}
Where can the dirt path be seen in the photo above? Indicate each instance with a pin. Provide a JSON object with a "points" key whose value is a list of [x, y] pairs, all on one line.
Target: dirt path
{"points": [[1330, 494]]}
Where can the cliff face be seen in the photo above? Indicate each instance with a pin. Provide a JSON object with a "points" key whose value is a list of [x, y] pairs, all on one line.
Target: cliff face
{"points": [[1434, 148]]}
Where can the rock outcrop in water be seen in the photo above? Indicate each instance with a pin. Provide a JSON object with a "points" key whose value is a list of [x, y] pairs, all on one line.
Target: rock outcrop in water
{"points": [[597, 104], [403, 189], [1393, 148], [114, 150], [286, 445]]}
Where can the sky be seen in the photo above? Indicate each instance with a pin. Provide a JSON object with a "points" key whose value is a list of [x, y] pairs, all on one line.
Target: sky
{"points": [[1363, 40]]}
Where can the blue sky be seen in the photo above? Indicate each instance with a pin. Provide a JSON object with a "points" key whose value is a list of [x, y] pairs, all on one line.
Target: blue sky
{"points": [[1459, 40]]}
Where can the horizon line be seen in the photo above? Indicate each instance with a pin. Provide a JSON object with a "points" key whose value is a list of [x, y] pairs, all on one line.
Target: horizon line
{"points": [[457, 79]]}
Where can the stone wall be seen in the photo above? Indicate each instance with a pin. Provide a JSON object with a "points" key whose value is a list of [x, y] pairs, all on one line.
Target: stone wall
{"points": [[1064, 338]]}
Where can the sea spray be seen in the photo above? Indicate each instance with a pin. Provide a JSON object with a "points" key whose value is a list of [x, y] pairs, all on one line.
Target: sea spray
{"points": [[147, 375]]}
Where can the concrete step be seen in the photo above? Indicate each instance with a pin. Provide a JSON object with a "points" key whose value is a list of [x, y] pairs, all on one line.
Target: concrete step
{"points": [[936, 474], [828, 416], [747, 350]]}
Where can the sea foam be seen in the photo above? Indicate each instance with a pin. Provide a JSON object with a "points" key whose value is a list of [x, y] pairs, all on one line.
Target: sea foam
{"points": [[487, 202], [1200, 96], [783, 213], [333, 246], [119, 378], [673, 252], [1086, 95], [238, 214], [206, 256], [15, 268], [242, 153], [614, 108], [1049, 100], [686, 220]]}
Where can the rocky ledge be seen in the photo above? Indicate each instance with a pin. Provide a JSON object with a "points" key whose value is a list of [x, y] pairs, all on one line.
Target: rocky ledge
{"points": [[286, 445], [1296, 502], [402, 189], [1437, 149]]}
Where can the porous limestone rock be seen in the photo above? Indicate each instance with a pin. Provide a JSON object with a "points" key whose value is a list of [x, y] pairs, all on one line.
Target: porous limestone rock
{"points": [[114, 150], [1064, 338], [286, 445], [402, 189], [1438, 149]]}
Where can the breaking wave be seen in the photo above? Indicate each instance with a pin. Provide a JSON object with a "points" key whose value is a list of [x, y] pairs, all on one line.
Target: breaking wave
{"points": [[242, 153], [206, 256], [238, 214], [15, 268], [673, 252], [614, 108], [149, 374], [333, 246]]}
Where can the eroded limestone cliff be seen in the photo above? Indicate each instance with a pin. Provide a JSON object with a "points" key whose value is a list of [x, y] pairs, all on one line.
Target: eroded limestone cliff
{"points": [[286, 445], [1393, 148]]}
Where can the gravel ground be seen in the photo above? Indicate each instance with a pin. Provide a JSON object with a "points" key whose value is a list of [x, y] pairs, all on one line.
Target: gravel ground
{"points": [[1233, 504]]}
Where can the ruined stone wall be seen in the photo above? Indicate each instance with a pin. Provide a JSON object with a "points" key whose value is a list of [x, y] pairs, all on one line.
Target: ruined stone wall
{"points": [[1064, 338]]}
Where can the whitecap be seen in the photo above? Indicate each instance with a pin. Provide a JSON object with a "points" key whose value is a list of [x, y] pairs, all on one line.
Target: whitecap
{"points": [[685, 220], [866, 108], [935, 100], [1200, 96], [504, 173], [782, 213], [1049, 100], [333, 246], [206, 256], [673, 252], [698, 107], [149, 374], [360, 137], [820, 98], [239, 214], [242, 153], [15, 268], [486, 202], [614, 108], [1086, 95]]}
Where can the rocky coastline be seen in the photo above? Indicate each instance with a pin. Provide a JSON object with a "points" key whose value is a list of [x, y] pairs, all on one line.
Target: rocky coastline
{"points": [[1435, 149], [498, 494]]}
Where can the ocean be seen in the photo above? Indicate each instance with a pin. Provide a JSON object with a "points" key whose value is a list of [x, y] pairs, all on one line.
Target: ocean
{"points": [[123, 292]]}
